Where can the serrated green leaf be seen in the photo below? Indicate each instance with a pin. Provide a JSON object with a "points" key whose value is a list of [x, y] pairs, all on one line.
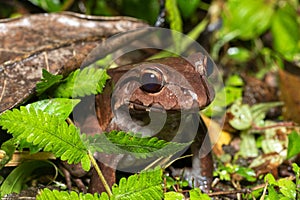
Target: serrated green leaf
{"points": [[82, 83], [293, 145], [126, 143], [47, 194], [47, 81], [16, 179], [60, 107], [46, 131], [146, 185]]}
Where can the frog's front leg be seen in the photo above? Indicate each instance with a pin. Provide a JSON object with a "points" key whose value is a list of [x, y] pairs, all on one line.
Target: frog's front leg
{"points": [[201, 173], [202, 164]]}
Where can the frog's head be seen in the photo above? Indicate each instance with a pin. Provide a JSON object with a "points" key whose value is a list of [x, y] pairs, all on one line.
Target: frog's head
{"points": [[171, 84]]}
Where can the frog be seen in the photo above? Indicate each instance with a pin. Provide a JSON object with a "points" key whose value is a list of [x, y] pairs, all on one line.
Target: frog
{"points": [[169, 91]]}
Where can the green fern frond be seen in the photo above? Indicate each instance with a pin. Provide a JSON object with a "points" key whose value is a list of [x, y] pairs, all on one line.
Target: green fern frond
{"points": [[48, 132], [82, 83], [60, 107], [126, 143], [47, 194], [146, 185], [47, 81]]}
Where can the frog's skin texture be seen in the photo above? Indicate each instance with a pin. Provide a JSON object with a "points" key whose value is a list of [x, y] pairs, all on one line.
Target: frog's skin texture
{"points": [[179, 90]]}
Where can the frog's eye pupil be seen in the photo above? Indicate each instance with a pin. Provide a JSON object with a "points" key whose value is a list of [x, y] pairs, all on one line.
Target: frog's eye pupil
{"points": [[151, 82]]}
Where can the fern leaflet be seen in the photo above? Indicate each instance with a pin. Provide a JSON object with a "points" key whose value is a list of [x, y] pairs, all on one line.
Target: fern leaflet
{"points": [[47, 194], [81, 83], [126, 143], [48, 132], [47, 81], [146, 185]]}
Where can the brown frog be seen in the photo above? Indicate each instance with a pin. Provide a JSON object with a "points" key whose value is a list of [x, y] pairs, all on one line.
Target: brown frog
{"points": [[159, 98]]}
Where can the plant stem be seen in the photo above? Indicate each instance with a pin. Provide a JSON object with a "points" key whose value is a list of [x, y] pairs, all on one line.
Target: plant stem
{"points": [[94, 163]]}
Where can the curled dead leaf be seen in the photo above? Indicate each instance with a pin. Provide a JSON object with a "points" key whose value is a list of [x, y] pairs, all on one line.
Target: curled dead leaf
{"points": [[58, 42]]}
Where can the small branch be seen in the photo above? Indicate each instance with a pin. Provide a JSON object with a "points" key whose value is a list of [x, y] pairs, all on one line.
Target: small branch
{"points": [[3, 90], [277, 125], [244, 191], [94, 163]]}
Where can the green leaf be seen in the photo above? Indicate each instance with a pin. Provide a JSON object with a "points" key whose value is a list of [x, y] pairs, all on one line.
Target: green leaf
{"points": [[293, 145], [286, 32], [17, 178], [47, 194], [146, 185], [60, 107], [270, 178], [248, 18], [126, 143], [242, 117], [187, 7], [173, 15], [45, 131], [196, 194], [48, 80], [234, 80], [239, 54], [272, 193], [247, 173], [49, 5], [173, 196], [82, 83], [287, 188], [259, 111], [7, 150], [248, 146]]}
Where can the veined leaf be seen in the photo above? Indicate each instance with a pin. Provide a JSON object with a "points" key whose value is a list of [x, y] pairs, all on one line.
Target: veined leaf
{"points": [[47, 81], [46, 131], [81, 83], [60, 107], [126, 143], [146, 185], [47, 194]]}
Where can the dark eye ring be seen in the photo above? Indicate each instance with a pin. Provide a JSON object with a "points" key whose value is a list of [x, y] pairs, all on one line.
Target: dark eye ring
{"points": [[152, 80]]}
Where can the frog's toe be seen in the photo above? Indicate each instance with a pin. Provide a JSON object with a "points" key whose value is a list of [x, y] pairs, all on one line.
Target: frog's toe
{"points": [[194, 179]]}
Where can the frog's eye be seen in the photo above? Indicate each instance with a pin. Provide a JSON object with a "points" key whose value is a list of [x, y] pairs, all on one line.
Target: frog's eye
{"points": [[151, 80]]}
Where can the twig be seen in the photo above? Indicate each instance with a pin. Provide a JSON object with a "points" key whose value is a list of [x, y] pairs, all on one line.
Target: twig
{"points": [[104, 182], [3, 90], [277, 125]]}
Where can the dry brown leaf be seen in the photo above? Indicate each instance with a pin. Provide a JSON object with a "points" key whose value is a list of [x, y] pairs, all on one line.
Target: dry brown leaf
{"points": [[58, 42]]}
